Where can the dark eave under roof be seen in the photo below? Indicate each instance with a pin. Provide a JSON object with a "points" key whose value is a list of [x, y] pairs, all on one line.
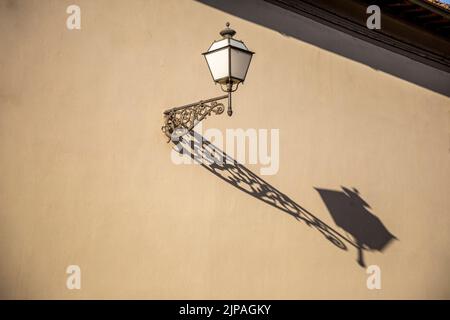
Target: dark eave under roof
{"points": [[430, 15], [418, 29]]}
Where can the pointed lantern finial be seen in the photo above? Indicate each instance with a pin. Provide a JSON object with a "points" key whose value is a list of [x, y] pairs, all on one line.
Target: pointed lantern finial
{"points": [[227, 32]]}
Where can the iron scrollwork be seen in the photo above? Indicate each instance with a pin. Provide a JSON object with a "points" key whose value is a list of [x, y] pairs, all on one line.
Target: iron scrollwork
{"points": [[181, 120]]}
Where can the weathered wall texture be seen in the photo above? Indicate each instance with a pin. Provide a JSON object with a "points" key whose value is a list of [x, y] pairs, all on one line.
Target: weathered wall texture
{"points": [[87, 179]]}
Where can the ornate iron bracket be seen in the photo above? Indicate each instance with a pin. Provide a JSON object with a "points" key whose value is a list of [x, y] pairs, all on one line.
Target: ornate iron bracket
{"points": [[180, 120]]}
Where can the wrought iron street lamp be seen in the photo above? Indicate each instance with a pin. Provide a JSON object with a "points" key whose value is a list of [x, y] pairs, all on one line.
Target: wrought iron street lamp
{"points": [[228, 60]]}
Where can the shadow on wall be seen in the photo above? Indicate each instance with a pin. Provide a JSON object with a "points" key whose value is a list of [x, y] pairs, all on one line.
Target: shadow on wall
{"points": [[322, 36], [347, 209]]}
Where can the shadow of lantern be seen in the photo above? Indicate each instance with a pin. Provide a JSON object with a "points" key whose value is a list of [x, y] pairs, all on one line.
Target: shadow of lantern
{"points": [[350, 212]]}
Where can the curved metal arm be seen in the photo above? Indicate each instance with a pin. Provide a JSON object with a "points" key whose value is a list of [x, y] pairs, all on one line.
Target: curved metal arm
{"points": [[180, 120]]}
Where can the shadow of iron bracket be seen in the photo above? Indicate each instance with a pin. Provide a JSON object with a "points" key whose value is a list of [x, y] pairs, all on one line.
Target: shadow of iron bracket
{"points": [[180, 120]]}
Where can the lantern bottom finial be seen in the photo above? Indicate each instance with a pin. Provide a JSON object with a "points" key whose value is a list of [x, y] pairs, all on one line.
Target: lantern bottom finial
{"points": [[229, 111]]}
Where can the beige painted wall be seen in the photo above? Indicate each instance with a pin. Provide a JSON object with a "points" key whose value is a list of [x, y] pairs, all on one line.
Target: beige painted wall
{"points": [[87, 177]]}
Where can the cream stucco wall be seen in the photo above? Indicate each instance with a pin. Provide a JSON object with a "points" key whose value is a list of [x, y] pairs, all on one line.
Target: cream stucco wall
{"points": [[87, 179]]}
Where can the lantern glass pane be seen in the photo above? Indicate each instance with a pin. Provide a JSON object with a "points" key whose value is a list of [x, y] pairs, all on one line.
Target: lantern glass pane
{"points": [[218, 63], [240, 62]]}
